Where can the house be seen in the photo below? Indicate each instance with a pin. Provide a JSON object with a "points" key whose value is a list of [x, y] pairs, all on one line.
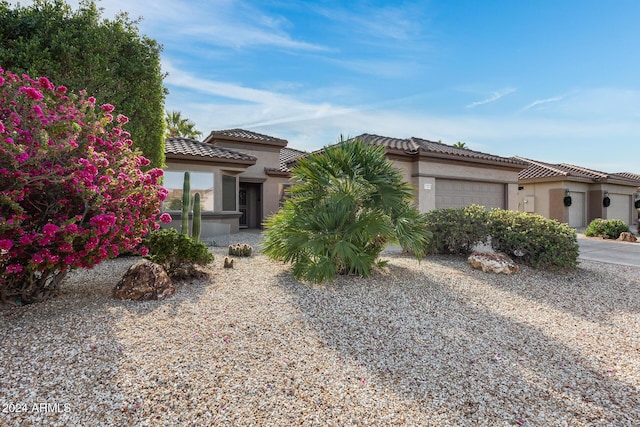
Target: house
{"points": [[239, 174], [444, 176], [576, 195], [242, 175]]}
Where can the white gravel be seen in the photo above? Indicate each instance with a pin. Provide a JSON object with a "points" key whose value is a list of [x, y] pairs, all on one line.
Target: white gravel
{"points": [[430, 343]]}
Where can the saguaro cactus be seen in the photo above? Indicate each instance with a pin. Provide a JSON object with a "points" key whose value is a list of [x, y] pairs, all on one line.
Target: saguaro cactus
{"points": [[197, 218], [186, 189]]}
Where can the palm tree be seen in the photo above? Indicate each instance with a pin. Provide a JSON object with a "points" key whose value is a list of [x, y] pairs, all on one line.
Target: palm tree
{"points": [[175, 125], [347, 204], [460, 144]]}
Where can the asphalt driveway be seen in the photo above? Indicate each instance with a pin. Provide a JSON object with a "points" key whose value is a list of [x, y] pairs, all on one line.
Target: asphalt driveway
{"points": [[610, 251]]}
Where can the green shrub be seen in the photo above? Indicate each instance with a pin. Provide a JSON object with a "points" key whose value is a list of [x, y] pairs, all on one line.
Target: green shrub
{"points": [[609, 228], [348, 203], [457, 230], [177, 253], [533, 239]]}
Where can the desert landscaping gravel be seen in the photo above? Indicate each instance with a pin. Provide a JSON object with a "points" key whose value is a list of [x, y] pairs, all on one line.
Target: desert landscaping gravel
{"points": [[431, 343]]}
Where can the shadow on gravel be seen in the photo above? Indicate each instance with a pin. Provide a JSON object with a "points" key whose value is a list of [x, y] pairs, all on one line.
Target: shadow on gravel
{"points": [[428, 337]]}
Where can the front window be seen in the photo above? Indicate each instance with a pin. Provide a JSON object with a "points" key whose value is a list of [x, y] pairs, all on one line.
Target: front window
{"points": [[200, 182]]}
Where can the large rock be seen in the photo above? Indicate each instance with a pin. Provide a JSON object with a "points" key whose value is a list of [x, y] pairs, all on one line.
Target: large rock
{"points": [[627, 237], [144, 281], [493, 262]]}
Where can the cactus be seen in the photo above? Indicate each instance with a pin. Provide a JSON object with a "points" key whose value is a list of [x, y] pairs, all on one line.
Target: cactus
{"points": [[197, 218], [240, 250], [228, 262], [186, 189]]}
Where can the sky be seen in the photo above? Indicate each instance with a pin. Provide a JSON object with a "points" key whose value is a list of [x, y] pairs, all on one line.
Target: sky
{"points": [[551, 80]]}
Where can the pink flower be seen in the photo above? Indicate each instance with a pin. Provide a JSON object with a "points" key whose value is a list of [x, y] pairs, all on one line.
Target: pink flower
{"points": [[14, 268], [62, 89], [32, 93], [165, 218], [144, 251], [107, 108], [45, 83], [6, 244], [2, 128], [49, 230], [22, 157], [122, 119]]}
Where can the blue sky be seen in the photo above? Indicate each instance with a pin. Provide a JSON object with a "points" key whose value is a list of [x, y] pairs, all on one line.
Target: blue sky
{"points": [[557, 81]]}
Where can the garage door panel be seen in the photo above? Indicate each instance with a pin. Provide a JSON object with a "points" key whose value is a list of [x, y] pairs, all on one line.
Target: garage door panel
{"points": [[577, 210], [620, 207], [457, 194]]}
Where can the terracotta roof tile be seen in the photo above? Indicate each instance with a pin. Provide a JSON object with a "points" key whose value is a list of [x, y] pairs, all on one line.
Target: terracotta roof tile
{"points": [[190, 147], [538, 169], [405, 145], [415, 145], [629, 175], [288, 155], [246, 135]]}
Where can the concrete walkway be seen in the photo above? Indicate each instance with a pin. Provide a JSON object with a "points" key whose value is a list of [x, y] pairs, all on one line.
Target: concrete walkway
{"points": [[610, 251]]}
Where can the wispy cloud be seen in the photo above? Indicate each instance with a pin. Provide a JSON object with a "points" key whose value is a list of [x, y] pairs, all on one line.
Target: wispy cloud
{"points": [[542, 101], [494, 97]]}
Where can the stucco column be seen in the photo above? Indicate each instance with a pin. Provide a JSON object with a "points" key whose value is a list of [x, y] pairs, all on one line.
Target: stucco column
{"points": [[426, 193]]}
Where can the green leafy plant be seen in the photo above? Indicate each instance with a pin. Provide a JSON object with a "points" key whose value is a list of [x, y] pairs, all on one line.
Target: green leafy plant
{"points": [[177, 253], [241, 250], [457, 230], [348, 203], [608, 228], [533, 239]]}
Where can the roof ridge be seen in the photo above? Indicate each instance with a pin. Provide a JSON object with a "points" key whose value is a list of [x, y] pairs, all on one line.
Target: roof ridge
{"points": [[586, 170]]}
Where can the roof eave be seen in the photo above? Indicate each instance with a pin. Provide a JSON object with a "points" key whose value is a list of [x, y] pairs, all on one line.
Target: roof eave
{"points": [[210, 159]]}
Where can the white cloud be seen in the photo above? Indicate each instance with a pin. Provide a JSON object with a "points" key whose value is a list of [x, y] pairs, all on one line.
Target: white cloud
{"points": [[542, 101], [494, 97]]}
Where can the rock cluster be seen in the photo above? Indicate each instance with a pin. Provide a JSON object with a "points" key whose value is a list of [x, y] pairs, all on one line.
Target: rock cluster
{"points": [[144, 281], [627, 237], [493, 262]]}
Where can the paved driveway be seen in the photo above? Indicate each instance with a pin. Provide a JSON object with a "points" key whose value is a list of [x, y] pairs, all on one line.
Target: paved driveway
{"points": [[613, 252]]}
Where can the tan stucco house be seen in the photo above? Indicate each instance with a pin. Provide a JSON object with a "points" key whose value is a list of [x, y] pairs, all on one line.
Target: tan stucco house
{"points": [[544, 187], [242, 175]]}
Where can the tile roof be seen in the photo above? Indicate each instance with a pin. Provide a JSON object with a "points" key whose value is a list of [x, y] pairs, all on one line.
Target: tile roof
{"points": [[245, 135], [191, 147], [415, 145], [538, 170], [629, 175], [405, 145], [288, 155]]}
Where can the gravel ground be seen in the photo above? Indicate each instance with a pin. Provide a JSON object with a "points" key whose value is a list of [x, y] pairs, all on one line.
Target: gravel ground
{"points": [[430, 343]]}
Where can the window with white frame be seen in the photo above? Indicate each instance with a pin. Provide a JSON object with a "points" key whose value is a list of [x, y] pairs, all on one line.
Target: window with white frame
{"points": [[200, 182]]}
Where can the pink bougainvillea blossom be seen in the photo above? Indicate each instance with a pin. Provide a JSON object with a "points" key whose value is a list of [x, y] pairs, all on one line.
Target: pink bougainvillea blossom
{"points": [[165, 218], [74, 197]]}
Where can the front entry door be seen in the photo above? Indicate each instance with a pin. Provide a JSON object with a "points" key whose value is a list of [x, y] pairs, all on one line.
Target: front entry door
{"points": [[250, 204]]}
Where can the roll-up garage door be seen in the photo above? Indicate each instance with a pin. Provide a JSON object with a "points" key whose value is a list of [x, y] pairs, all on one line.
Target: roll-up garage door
{"points": [[452, 193], [620, 207]]}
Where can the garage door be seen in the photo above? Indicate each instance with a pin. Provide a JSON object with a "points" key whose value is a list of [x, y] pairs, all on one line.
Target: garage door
{"points": [[457, 194], [620, 207], [577, 210]]}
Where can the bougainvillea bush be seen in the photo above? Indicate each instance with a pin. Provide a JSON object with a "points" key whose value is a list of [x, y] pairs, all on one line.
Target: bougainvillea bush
{"points": [[72, 191]]}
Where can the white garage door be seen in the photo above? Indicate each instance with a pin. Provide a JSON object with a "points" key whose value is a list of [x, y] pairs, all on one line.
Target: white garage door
{"points": [[457, 194], [577, 210], [620, 207]]}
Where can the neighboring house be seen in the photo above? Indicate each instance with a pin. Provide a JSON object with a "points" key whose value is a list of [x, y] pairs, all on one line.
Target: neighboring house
{"points": [[544, 186]]}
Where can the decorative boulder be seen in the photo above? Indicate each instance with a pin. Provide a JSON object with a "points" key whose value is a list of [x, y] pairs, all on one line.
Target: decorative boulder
{"points": [[144, 281], [493, 262], [627, 237]]}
